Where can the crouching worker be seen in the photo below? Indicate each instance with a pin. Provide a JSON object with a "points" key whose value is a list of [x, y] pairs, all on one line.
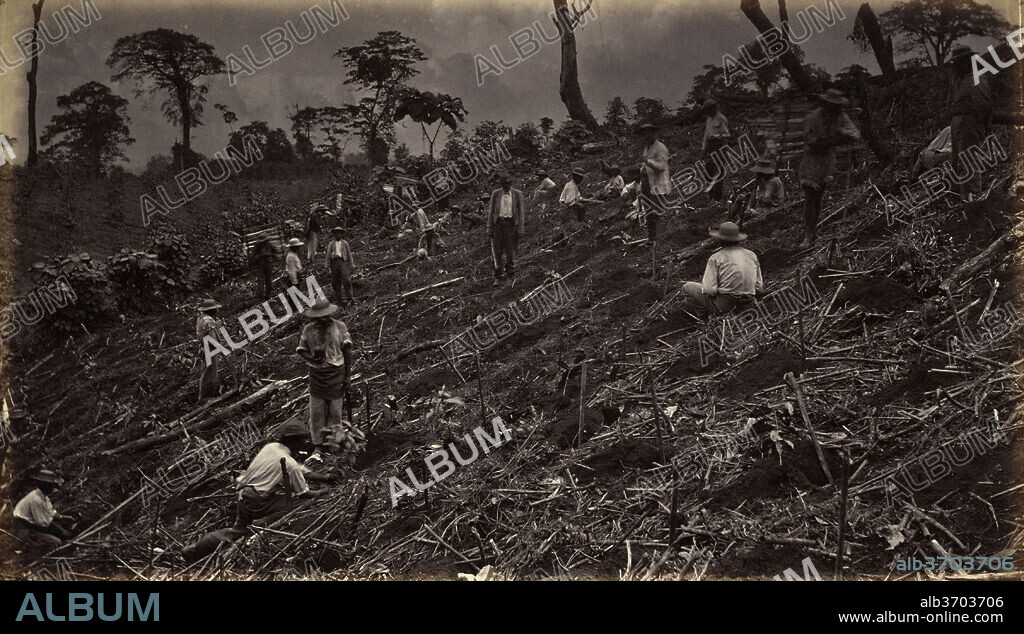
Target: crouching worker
{"points": [[36, 522], [327, 349], [262, 489], [769, 193], [732, 277]]}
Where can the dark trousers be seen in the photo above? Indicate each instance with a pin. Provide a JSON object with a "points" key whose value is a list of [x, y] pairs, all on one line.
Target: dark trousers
{"points": [[341, 279], [717, 192], [253, 505], [812, 208], [265, 271], [653, 205], [209, 380], [503, 246], [428, 240]]}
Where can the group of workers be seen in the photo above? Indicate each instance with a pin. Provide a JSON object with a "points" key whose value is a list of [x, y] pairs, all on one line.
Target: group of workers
{"points": [[732, 280]]}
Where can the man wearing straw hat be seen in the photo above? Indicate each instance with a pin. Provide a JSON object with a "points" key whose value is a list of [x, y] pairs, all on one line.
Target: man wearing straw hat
{"points": [[732, 277], [340, 264], [768, 194], [292, 262], [825, 128], [207, 325], [327, 349], [545, 183], [506, 219], [36, 522], [970, 111]]}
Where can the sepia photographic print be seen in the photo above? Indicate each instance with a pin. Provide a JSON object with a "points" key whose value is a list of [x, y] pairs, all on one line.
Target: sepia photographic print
{"points": [[718, 291]]}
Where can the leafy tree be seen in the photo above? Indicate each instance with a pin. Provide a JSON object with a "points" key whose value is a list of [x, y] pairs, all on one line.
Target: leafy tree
{"points": [[163, 60], [91, 129], [934, 26], [273, 144], [487, 133], [649, 110], [526, 141], [546, 125], [401, 153], [454, 147], [230, 118], [304, 122], [616, 116], [426, 108], [380, 67], [334, 123]]}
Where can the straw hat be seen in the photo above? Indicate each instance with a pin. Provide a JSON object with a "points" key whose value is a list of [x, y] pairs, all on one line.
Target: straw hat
{"points": [[708, 103], [295, 242], [321, 309], [505, 178], [834, 96], [647, 127], [292, 429], [577, 171], [729, 232], [338, 229], [208, 304], [47, 476]]}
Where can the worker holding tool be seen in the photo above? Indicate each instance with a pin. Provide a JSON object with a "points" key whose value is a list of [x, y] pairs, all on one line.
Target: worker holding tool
{"points": [[36, 522], [327, 349]]}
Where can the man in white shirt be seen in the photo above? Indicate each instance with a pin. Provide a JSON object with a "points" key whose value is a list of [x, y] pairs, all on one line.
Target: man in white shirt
{"points": [[506, 220], [37, 522], [426, 229], [655, 180], [262, 489], [340, 264], [572, 198], [716, 133], [732, 277], [545, 185]]}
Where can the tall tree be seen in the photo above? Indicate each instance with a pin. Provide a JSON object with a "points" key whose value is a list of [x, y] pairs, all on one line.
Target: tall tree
{"points": [[546, 124], [867, 30], [91, 128], [789, 59], [934, 26], [304, 122], [37, 9], [568, 79], [379, 66], [163, 60], [272, 143], [649, 110], [426, 109], [616, 116]]}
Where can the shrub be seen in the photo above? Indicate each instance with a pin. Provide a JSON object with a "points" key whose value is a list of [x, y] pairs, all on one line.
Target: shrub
{"points": [[89, 284]]}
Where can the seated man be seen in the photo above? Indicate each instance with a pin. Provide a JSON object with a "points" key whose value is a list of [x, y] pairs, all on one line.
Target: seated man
{"points": [[36, 522], [261, 489], [545, 185], [615, 184], [769, 193], [571, 196], [938, 152], [732, 277]]}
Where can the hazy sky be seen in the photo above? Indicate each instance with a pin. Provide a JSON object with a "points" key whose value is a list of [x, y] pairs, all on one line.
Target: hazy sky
{"points": [[634, 48]]}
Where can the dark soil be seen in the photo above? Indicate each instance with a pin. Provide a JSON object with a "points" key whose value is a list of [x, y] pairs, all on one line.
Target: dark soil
{"points": [[613, 462], [878, 293], [765, 371]]}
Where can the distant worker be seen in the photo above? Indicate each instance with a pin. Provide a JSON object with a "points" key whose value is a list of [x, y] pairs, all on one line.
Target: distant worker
{"points": [[265, 257], [825, 128], [207, 325], [292, 262], [768, 194], [732, 277], [655, 180], [313, 227], [506, 220], [341, 265], [938, 152], [613, 188], [573, 198], [326, 347], [716, 135], [426, 231], [36, 521], [545, 184], [970, 111]]}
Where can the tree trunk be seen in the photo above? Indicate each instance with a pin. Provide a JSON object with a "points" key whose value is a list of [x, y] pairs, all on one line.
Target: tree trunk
{"points": [[568, 79], [37, 10], [752, 9], [881, 45]]}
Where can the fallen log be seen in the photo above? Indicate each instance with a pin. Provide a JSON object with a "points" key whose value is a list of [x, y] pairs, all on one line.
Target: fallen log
{"points": [[420, 347], [975, 264], [427, 288], [209, 421]]}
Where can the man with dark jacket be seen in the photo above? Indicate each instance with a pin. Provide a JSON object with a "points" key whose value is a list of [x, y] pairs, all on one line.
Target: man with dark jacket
{"points": [[505, 222]]}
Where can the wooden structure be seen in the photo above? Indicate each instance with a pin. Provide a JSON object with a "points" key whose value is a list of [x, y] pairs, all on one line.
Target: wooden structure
{"points": [[782, 131], [276, 233]]}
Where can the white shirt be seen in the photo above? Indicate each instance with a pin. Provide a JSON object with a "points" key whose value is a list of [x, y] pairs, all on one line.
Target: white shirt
{"points": [[570, 193], [35, 508], [264, 472], [292, 265], [505, 205], [733, 271]]}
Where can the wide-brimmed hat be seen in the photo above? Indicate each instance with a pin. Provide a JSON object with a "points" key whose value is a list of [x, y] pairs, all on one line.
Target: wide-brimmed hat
{"points": [[728, 231], [504, 178], [321, 309], [648, 127], [208, 304], [961, 51], [47, 476], [708, 103], [292, 429], [295, 242], [615, 169], [834, 96], [764, 166], [338, 229], [578, 171], [542, 173], [485, 196]]}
